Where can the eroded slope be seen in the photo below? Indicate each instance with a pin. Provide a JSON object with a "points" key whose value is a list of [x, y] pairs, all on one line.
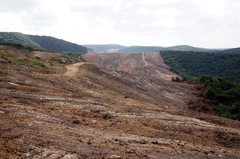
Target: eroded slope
{"points": [[95, 112], [144, 63]]}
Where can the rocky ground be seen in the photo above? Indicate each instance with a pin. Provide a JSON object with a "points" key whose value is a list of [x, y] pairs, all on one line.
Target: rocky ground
{"points": [[72, 109]]}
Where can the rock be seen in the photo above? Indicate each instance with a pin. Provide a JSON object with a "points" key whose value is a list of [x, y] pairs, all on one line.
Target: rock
{"points": [[1, 112], [115, 157], [76, 122], [70, 156], [94, 122], [142, 142], [130, 151], [155, 142]]}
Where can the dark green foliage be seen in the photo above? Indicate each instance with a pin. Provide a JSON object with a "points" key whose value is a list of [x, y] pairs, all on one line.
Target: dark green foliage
{"points": [[77, 55], [194, 64], [54, 44], [3, 57], [41, 42], [223, 96], [231, 51], [178, 79], [210, 93], [19, 46], [18, 38], [39, 64]]}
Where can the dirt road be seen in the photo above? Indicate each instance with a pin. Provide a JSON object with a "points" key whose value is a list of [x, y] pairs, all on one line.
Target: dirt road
{"points": [[148, 64], [73, 68], [144, 60]]}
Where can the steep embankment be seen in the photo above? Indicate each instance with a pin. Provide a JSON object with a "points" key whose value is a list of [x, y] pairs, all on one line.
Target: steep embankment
{"points": [[101, 113], [149, 63]]}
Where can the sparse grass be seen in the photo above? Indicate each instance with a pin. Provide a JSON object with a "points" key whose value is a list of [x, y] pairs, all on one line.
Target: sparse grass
{"points": [[45, 78], [3, 57], [39, 64], [54, 61], [30, 63], [23, 61], [135, 56]]}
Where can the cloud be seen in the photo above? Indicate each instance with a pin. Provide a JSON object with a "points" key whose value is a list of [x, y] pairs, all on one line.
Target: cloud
{"points": [[137, 22], [17, 6]]}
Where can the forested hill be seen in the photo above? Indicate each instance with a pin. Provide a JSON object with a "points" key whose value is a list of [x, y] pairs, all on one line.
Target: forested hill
{"points": [[194, 64], [41, 42], [159, 48], [231, 51], [189, 48]]}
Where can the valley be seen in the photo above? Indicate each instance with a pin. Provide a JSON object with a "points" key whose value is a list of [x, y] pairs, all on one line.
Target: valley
{"points": [[114, 105]]}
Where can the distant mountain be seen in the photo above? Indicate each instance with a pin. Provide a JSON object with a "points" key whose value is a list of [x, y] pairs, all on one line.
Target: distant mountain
{"points": [[106, 48], [41, 42], [158, 48], [142, 49], [189, 48], [231, 51]]}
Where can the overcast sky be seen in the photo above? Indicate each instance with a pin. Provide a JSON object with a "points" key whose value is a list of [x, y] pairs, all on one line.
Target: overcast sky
{"points": [[201, 23]]}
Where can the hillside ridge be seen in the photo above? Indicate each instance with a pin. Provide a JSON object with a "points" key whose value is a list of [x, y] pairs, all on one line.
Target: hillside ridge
{"points": [[41, 42]]}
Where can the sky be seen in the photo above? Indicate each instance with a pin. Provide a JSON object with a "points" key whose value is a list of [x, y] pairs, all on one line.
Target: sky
{"points": [[200, 23]]}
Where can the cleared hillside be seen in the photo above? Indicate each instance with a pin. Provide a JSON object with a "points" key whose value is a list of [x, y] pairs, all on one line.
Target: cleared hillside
{"points": [[148, 64], [57, 107], [41, 42]]}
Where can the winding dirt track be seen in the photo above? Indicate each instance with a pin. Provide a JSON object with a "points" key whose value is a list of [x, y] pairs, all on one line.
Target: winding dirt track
{"points": [[144, 60], [73, 68]]}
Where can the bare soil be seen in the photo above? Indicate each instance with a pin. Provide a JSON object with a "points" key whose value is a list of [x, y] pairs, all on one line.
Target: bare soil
{"points": [[146, 63], [81, 110]]}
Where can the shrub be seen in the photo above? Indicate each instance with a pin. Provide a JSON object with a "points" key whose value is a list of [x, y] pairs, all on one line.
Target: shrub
{"points": [[39, 64], [3, 57]]}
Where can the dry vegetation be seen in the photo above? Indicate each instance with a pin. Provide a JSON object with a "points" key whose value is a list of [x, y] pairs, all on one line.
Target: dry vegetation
{"points": [[94, 112]]}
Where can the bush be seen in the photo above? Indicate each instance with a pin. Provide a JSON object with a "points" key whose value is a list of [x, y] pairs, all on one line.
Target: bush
{"points": [[39, 64], [220, 92], [3, 57], [55, 60], [210, 93]]}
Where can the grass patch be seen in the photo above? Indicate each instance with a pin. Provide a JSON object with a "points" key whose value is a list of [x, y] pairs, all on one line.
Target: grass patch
{"points": [[54, 61], [39, 64], [45, 79], [29, 63], [3, 57], [23, 61]]}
